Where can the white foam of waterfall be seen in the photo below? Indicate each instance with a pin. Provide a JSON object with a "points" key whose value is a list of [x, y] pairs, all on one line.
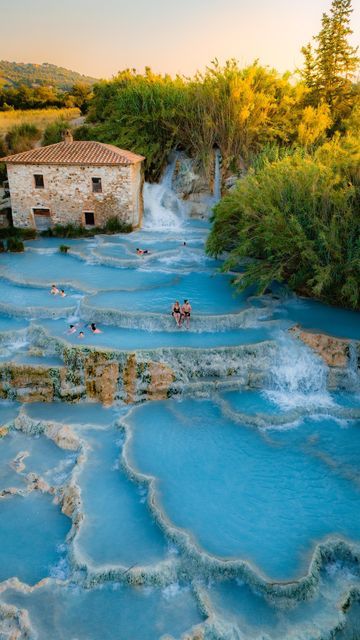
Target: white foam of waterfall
{"points": [[217, 176], [75, 316], [297, 376], [163, 208], [353, 369]]}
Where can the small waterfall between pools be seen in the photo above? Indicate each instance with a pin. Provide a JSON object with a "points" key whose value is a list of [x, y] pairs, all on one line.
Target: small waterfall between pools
{"points": [[217, 176], [297, 377], [164, 210]]}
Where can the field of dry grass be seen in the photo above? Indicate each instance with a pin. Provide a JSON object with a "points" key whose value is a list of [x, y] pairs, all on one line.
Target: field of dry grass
{"points": [[39, 117]]}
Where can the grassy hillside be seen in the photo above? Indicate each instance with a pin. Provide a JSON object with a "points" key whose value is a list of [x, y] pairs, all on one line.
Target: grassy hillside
{"points": [[40, 118], [19, 73]]}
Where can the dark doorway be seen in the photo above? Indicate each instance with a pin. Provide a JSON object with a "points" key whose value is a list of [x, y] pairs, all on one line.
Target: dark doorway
{"points": [[42, 219], [89, 218]]}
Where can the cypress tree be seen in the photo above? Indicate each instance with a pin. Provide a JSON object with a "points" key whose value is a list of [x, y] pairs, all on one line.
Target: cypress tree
{"points": [[330, 69]]}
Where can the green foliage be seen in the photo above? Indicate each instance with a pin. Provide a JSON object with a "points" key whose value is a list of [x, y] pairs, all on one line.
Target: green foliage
{"points": [[15, 245], [22, 137], [238, 110], [81, 94], [15, 232], [113, 225], [54, 132], [331, 66], [18, 73], [298, 221]]}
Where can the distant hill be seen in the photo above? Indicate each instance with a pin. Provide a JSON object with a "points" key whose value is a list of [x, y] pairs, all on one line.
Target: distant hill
{"points": [[16, 73]]}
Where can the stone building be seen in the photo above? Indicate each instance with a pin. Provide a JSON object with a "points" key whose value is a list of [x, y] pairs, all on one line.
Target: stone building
{"points": [[78, 182]]}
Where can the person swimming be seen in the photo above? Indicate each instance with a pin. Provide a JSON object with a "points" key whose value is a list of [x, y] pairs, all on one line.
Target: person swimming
{"points": [[71, 329], [81, 334], [62, 293], [142, 252], [94, 328], [186, 312], [176, 313], [54, 290]]}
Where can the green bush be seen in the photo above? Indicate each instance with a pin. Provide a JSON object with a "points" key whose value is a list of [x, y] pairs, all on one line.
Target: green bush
{"points": [[298, 220], [54, 132], [22, 137], [15, 232], [114, 225], [15, 245]]}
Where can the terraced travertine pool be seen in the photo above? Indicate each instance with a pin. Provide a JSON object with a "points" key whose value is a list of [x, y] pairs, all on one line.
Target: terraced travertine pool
{"points": [[229, 511]]}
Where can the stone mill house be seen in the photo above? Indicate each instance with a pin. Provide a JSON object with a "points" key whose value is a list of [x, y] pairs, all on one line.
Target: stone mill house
{"points": [[78, 182]]}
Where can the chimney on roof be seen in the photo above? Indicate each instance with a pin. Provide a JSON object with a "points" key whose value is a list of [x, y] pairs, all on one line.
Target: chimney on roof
{"points": [[68, 138]]}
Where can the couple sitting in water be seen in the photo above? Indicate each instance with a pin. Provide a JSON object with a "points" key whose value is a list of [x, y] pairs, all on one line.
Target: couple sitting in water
{"points": [[57, 292], [74, 327], [181, 313]]}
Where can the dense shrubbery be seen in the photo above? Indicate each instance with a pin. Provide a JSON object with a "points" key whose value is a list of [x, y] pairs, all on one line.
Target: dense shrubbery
{"points": [[237, 110], [296, 214], [113, 225], [298, 219], [21, 137], [54, 132]]}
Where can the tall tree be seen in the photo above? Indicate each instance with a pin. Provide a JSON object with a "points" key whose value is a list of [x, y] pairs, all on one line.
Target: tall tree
{"points": [[329, 69]]}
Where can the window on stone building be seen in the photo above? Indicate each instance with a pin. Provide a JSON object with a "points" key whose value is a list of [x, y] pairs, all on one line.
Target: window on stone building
{"points": [[89, 218], [39, 181], [96, 185]]}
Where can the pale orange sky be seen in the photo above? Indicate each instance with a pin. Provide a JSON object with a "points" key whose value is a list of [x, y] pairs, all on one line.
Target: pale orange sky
{"points": [[100, 38]]}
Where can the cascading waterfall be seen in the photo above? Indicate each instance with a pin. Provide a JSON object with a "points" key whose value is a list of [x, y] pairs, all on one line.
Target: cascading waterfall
{"points": [[297, 376], [164, 210], [217, 176]]}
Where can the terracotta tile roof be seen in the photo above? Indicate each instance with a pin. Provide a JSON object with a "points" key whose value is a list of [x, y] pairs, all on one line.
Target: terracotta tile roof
{"points": [[80, 152]]}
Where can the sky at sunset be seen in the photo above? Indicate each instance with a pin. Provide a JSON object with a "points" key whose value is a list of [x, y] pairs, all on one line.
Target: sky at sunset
{"points": [[100, 37]]}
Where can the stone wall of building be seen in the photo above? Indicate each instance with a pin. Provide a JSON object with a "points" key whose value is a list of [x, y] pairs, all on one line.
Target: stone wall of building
{"points": [[68, 193]]}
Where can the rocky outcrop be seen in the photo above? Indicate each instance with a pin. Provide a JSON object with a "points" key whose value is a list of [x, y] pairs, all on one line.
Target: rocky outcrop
{"points": [[27, 383], [129, 378], [151, 379], [191, 184], [334, 351], [101, 377], [161, 379]]}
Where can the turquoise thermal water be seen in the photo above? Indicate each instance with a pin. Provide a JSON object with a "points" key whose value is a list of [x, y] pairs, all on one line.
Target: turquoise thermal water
{"points": [[115, 509], [208, 294], [32, 530], [108, 612], [245, 497], [188, 511], [37, 455], [121, 338]]}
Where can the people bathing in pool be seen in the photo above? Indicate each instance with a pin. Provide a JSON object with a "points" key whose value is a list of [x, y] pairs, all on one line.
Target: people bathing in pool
{"points": [[176, 313], [186, 312], [181, 314], [142, 252], [72, 329], [57, 292]]}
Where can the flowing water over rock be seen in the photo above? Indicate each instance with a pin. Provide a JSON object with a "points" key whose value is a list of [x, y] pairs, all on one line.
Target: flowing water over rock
{"points": [[214, 493]]}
